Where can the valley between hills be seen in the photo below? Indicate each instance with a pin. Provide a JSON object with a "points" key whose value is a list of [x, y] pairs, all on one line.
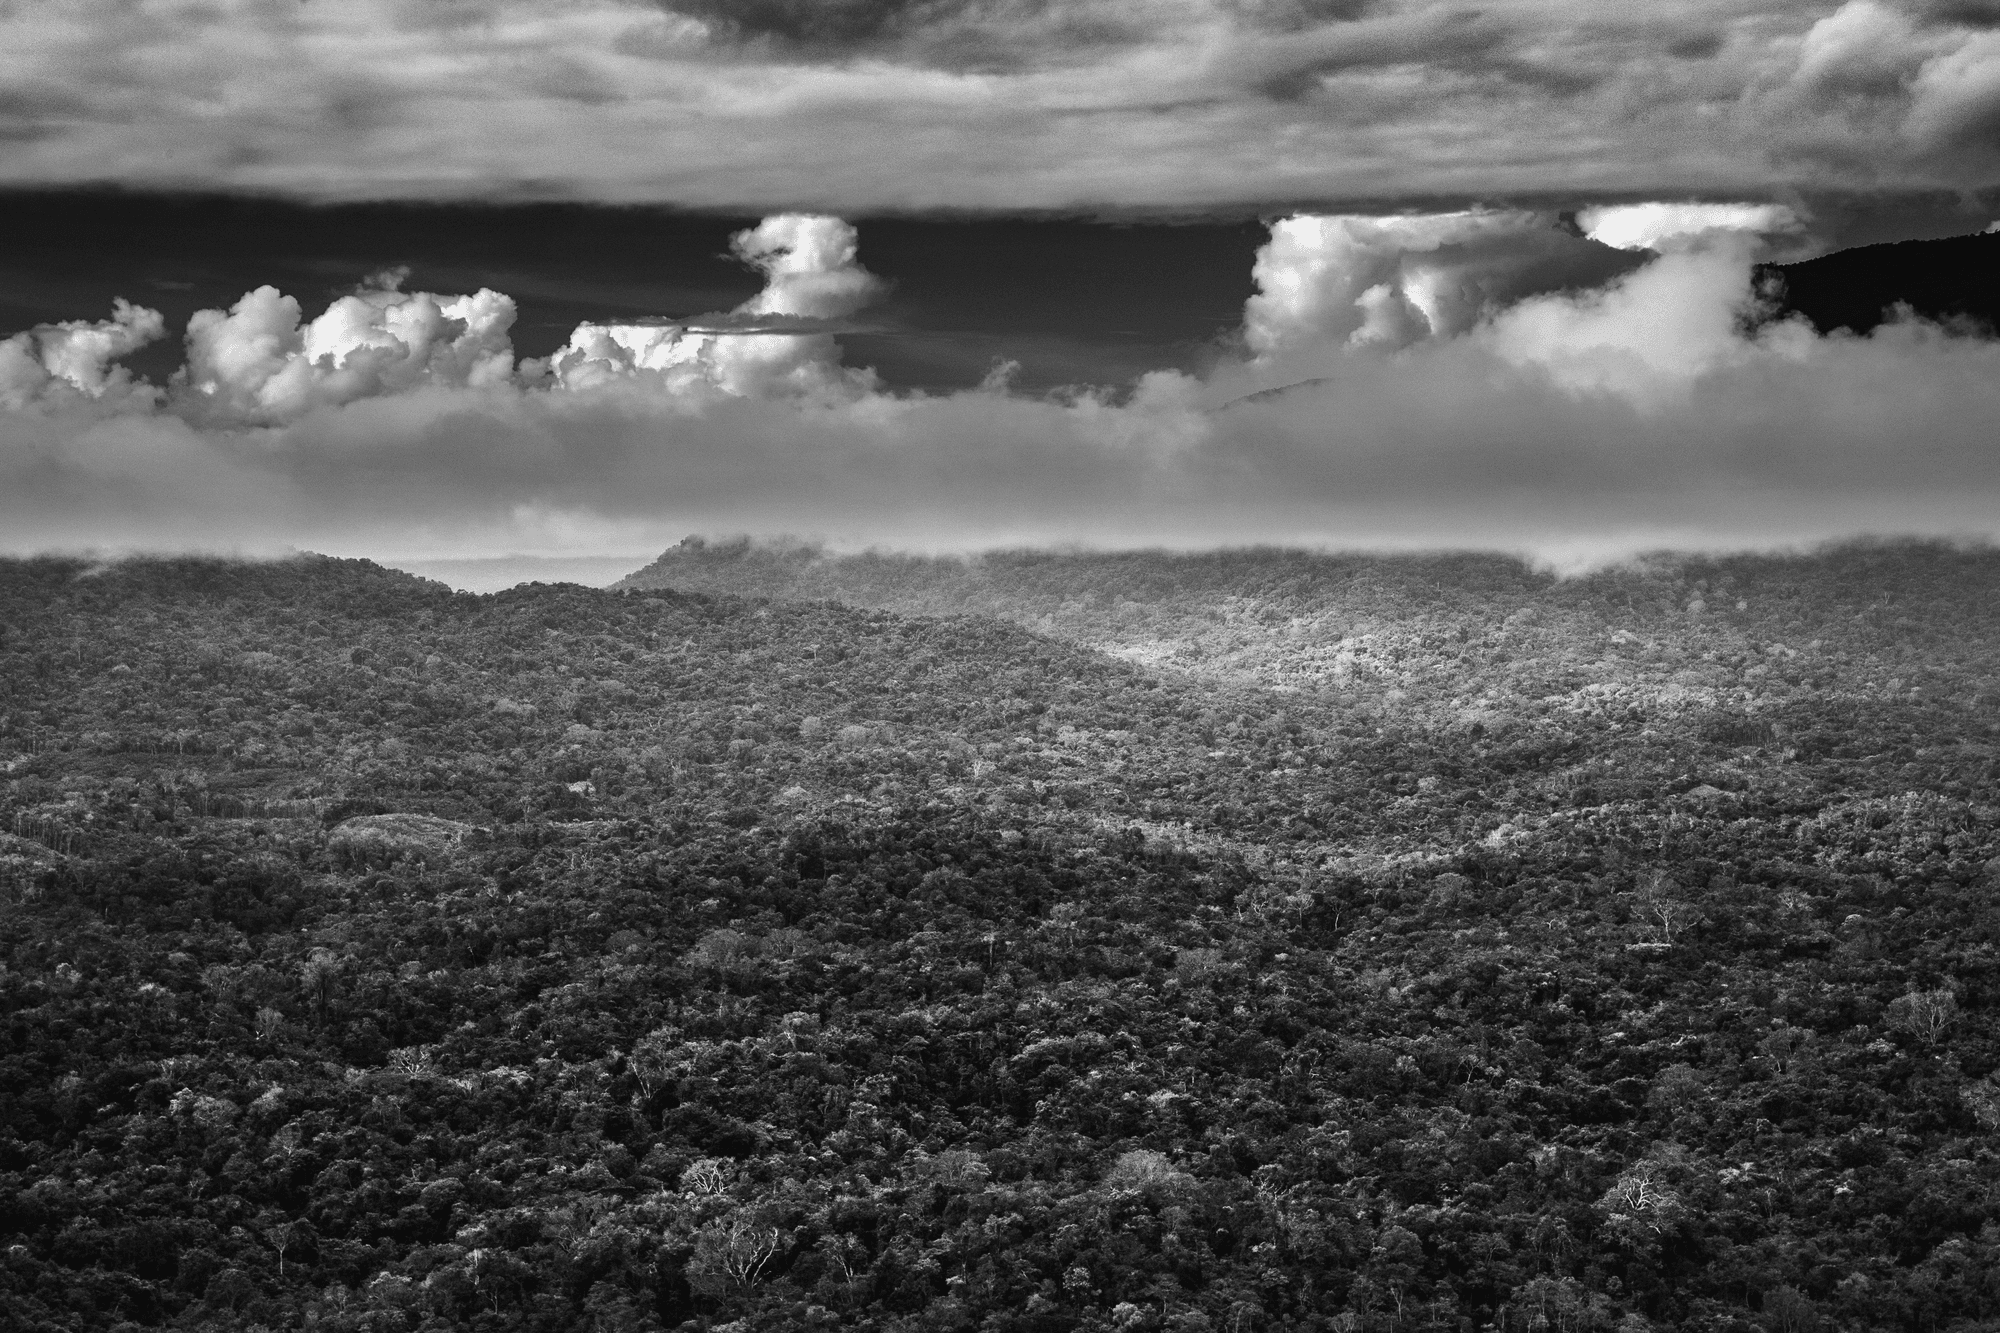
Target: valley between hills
{"points": [[1042, 941]]}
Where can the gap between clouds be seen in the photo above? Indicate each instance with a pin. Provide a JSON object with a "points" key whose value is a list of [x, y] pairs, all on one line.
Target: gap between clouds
{"points": [[1482, 377]]}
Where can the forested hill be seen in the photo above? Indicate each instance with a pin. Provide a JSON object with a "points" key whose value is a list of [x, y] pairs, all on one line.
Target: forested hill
{"points": [[1956, 278], [1444, 632], [378, 957]]}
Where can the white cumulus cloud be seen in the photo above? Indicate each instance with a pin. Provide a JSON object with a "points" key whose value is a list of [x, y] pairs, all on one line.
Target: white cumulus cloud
{"points": [[1331, 283], [256, 364], [812, 273], [1647, 336], [77, 358], [1525, 405], [811, 264], [1335, 279]]}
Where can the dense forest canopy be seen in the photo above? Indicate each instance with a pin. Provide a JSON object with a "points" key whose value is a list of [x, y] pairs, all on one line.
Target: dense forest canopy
{"points": [[1244, 941]]}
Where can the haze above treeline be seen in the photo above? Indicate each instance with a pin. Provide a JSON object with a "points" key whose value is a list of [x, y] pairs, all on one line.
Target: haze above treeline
{"points": [[1575, 385]]}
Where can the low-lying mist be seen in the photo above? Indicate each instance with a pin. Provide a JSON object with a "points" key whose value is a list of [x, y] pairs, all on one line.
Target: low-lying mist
{"points": [[1483, 379]]}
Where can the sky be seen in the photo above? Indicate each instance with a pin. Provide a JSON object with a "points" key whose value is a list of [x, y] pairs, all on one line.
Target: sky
{"points": [[857, 106], [461, 278]]}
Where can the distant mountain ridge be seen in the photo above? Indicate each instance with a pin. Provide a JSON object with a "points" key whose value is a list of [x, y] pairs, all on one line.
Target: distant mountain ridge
{"points": [[1953, 279], [1434, 628], [498, 573]]}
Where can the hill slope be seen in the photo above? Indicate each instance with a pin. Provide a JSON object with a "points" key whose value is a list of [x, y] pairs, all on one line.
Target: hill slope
{"points": [[379, 957], [1865, 621], [1953, 279]]}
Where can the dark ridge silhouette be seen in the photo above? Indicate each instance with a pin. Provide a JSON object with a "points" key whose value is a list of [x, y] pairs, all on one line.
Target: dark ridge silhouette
{"points": [[1956, 279]]}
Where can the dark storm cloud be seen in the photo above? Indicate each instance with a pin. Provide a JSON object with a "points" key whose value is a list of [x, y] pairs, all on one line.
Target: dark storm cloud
{"points": [[974, 34], [1455, 40], [1295, 15], [33, 109], [820, 23], [836, 27], [1925, 78], [1551, 79], [958, 35], [872, 105], [1696, 45], [1968, 13]]}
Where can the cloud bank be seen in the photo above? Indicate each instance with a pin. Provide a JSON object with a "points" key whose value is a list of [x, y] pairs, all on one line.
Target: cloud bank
{"points": [[257, 364], [867, 105], [1495, 378], [765, 345], [76, 358]]}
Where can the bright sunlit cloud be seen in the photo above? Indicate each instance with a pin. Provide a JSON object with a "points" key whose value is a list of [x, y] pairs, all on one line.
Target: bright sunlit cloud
{"points": [[1464, 378], [1663, 226], [811, 274]]}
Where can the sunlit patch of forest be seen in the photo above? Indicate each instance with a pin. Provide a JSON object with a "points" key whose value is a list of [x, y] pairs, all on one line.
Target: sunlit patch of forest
{"points": [[1254, 940]]}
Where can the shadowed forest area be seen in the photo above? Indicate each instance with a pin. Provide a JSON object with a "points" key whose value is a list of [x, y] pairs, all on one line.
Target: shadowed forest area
{"points": [[1047, 941], [1950, 280]]}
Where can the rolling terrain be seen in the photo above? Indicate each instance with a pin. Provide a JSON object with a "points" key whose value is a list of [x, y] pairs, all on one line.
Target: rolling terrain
{"points": [[1253, 940]]}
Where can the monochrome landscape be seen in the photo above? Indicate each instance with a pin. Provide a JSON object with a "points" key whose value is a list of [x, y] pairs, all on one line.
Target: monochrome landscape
{"points": [[755, 665]]}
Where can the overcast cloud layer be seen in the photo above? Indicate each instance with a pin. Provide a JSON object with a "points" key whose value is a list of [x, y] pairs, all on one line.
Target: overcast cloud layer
{"points": [[873, 104], [1465, 378]]}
